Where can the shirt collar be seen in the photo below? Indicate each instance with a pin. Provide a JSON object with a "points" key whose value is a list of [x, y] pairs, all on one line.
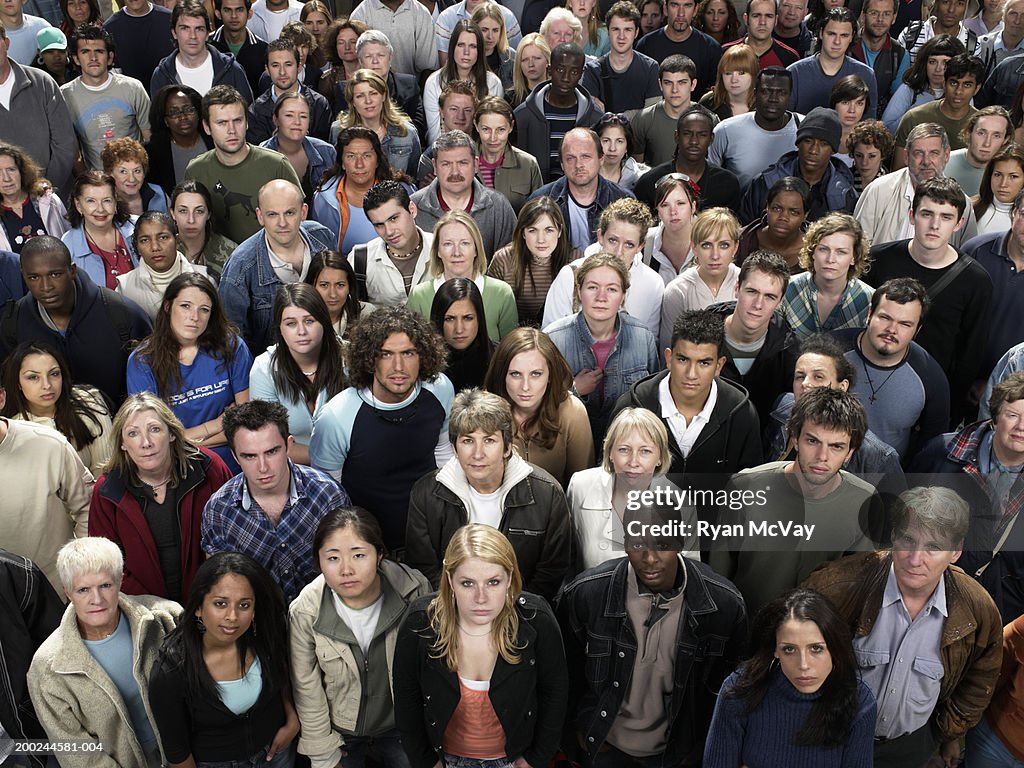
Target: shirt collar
{"points": [[293, 492], [892, 594], [668, 405]]}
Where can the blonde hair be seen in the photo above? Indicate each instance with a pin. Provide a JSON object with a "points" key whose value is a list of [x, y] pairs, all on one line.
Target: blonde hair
{"points": [[519, 84], [489, 10], [834, 224], [707, 223], [593, 22], [482, 542], [648, 425], [86, 556], [563, 14], [596, 261], [391, 113], [182, 451], [463, 218]]}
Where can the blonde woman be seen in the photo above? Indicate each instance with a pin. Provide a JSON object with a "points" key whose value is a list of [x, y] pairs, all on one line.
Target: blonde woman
{"points": [[500, 58], [370, 106], [533, 57], [480, 676], [458, 251]]}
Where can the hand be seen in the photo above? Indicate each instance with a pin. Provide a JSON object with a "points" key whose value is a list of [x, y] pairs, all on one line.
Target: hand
{"points": [[950, 753], [586, 381], [285, 735], [520, 762]]}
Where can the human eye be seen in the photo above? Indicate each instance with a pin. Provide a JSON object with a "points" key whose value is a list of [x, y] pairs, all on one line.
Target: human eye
{"points": [[818, 648], [466, 584], [494, 582]]}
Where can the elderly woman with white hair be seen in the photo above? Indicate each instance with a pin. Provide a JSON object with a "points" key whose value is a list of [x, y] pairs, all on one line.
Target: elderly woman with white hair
{"points": [[88, 681]]}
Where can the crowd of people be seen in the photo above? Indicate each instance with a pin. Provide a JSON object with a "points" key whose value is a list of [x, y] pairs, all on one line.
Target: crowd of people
{"points": [[629, 384]]}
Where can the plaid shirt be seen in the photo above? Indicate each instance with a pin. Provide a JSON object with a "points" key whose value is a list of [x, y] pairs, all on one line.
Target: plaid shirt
{"points": [[801, 306], [234, 522], [964, 450]]}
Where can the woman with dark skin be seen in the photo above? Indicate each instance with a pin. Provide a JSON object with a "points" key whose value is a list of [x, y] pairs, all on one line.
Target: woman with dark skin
{"points": [[176, 136], [781, 229]]}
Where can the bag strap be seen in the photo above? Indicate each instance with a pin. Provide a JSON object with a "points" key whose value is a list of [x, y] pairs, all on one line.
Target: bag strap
{"points": [[943, 282], [117, 313], [359, 258], [999, 546]]}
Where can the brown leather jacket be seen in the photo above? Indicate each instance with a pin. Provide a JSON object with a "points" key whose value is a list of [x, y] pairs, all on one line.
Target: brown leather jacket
{"points": [[972, 637]]}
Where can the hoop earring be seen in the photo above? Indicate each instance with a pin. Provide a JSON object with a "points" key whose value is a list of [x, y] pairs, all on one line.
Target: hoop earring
{"points": [[200, 626]]}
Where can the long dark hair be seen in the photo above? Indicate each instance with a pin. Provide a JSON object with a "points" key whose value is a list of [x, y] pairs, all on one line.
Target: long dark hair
{"points": [[363, 524], [160, 349], [269, 642], [522, 259], [74, 413], [191, 186], [916, 75], [450, 73], [333, 260], [384, 170], [981, 201], [470, 364], [288, 376], [831, 716]]}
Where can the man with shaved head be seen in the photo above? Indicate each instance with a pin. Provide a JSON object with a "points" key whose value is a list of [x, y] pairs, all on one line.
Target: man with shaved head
{"points": [[276, 254]]}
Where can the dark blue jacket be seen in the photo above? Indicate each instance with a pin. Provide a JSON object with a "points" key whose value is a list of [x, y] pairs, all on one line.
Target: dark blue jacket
{"points": [[12, 287], [226, 71], [838, 192], [261, 116], [607, 193]]}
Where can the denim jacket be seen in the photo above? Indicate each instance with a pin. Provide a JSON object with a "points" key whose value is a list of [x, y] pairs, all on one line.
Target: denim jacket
{"points": [[634, 356], [87, 261], [403, 151], [320, 154], [601, 648]]}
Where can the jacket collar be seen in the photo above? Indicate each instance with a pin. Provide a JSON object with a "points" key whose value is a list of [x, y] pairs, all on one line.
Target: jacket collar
{"points": [[453, 478], [115, 489], [697, 595]]}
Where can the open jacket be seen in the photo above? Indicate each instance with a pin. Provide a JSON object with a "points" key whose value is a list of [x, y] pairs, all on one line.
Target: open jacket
{"points": [[76, 699], [87, 261], [53, 213], [226, 71], [837, 188], [533, 131], [535, 518], [971, 648]]}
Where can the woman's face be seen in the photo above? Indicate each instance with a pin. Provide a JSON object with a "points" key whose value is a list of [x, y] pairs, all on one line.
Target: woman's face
{"points": [[181, 117], [834, 256], [850, 111], [613, 141], [457, 251], [676, 210], [128, 177], [147, 441], [635, 458], [461, 324], [830, 4], [349, 565], [10, 178], [480, 589], [346, 46], [715, 17], [1007, 180], [190, 315], [868, 160], [156, 245], [359, 161], [786, 213], [560, 32], [803, 656], [293, 120], [78, 12], [651, 17], [936, 67], [714, 254], [228, 610], [581, 8], [332, 285], [526, 381], [533, 63], [190, 214], [97, 205], [493, 130], [316, 23], [41, 383], [301, 332], [367, 101], [491, 30], [541, 237], [737, 82], [94, 596], [601, 294], [465, 53]]}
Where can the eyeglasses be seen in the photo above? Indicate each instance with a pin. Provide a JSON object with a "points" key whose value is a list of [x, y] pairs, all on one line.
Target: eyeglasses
{"points": [[184, 112]]}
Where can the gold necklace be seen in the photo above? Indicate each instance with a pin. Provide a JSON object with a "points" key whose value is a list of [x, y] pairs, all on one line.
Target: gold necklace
{"points": [[463, 630]]}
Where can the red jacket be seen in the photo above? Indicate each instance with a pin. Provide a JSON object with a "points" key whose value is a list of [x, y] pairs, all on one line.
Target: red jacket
{"points": [[116, 514]]}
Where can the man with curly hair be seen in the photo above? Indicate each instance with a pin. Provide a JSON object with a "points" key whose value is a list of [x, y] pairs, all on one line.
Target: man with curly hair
{"points": [[387, 430]]}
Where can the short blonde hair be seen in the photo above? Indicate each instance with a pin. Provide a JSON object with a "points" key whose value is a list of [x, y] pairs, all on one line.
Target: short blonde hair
{"points": [[463, 218], [834, 224], [648, 425], [708, 223], [596, 261], [86, 556]]}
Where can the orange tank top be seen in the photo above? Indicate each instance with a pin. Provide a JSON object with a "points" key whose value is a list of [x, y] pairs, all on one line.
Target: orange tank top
{"points": [[474, 730]]}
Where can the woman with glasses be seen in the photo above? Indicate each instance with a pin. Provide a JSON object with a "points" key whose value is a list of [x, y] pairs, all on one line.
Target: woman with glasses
{"points": [[127, 163], [176, 137], [617, 162]]}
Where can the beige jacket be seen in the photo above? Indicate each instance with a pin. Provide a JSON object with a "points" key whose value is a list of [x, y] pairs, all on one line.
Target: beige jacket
{"points": [[76, 700]]}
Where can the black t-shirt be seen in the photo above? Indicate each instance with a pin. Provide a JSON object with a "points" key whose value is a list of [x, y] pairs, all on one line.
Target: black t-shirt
{"points": [[703, 49], [628, 90], [718, 187]]}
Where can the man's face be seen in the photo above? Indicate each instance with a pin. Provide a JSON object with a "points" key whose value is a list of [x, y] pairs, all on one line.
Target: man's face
{"points": [[226, 126], [835, 39], [919, 558], [761, 20], [756, 300], [623, 239], [50, 279], [1017, 226], [396, 370], [958, 91], [814, 155], [791, 13], [680, 15], [821, 452], [93, 59], [395, 225], [891, 327], [949, 13], [693, 138], [455, 169], [1013, 19], [987, 138], [457, 113], [691, 369], [934, 223], [565, 74], [482, 458], [676, 88], [877, 18], [926, 159], [263, 456], [280, 212], [190, 34], [656, 569], [621, 34], [771, 97], [234, 15], [581, 160], [376, 57], [283, 70]]}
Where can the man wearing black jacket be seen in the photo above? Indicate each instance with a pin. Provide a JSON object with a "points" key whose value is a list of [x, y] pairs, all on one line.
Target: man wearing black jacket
{"points": [[236, 38]]}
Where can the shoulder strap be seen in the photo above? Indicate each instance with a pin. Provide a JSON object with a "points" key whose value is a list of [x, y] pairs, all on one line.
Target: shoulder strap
{"points": [[913, 33], [943, 282], [117, 313], [999, 546], [9, 325], [972, 42], [359, 256]]}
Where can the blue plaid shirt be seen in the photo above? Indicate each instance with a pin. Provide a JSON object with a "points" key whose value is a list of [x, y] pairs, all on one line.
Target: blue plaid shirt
{"points": [[801, 307], [234, 522]]}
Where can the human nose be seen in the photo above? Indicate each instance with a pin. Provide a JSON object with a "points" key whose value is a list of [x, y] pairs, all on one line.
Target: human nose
{"points": [[480, 594]]}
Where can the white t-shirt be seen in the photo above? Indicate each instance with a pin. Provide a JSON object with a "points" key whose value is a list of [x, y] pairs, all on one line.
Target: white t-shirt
{"points": [[200, 78], [486, 508], [6, 89], [362, 621]]}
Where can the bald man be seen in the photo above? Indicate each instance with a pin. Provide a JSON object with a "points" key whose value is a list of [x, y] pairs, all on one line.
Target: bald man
{"points": [[276, 254]]}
